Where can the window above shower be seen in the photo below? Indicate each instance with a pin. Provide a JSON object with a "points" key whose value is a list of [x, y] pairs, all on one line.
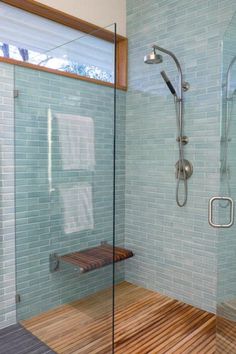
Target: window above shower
{"points": [[28, 38]]}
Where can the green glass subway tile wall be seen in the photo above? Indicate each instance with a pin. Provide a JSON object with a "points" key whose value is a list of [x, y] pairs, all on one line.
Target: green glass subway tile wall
{"points": [[7, 225], [227, 240], [50, 181], [175, 249]]}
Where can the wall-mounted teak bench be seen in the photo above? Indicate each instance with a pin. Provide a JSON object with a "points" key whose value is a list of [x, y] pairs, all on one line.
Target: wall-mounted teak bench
{"points": [[91, 258]]}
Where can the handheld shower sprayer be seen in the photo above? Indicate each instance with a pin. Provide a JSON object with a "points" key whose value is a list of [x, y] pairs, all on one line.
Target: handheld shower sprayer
{"points": [[168, 83], [184, 168]]}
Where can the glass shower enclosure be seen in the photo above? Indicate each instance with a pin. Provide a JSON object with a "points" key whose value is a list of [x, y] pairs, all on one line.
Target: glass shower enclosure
{"points": [[64, 196], [226, 257]]}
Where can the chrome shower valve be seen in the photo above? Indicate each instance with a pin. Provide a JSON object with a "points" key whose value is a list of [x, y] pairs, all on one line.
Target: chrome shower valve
{"points": [[184, 169]]}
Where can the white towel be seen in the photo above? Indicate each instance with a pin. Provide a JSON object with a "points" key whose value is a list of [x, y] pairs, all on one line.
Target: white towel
{"points": [[77, 207], [76, 138]]}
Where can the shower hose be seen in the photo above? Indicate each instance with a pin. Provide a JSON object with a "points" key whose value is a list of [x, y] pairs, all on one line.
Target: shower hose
{"points": [[181, 172]]}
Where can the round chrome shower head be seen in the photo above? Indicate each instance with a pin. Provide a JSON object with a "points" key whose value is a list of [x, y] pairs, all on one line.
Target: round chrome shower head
{"points": [[153, 58]]}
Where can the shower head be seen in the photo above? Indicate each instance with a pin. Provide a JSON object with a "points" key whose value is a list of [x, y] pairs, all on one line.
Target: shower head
{"points": [[153, 57], [168, 83]]}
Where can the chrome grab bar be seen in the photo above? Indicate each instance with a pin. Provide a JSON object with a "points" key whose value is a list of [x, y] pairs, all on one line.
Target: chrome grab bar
{"points": [[210, 212]]}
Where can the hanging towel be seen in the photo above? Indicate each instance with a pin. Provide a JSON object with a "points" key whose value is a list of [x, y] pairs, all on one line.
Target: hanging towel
{"points": [[76, 139], [77, 207]]}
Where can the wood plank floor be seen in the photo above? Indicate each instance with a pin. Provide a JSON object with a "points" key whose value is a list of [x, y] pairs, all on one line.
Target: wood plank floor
{"points": [[226, 336], [146, 323]]}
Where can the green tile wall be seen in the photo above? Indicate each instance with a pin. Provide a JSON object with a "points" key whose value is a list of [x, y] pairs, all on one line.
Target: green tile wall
{"points": [[175, 249], [7, 215], [39, 214]]}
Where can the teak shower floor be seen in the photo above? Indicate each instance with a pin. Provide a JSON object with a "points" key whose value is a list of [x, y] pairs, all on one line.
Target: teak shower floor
{"points": [[146, 322]]}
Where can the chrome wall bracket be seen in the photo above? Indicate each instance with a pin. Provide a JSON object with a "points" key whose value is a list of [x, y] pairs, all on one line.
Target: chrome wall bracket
{"points": [[184, 140], [186, 86], [15, 93], [54, 262], [18, 298], [210, 212]]}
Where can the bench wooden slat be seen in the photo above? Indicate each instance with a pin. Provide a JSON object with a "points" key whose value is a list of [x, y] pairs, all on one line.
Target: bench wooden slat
{"points": [[96, 257]]}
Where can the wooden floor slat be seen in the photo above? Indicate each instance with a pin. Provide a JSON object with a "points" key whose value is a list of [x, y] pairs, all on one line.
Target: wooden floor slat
{"points": [[226, 336], [145, 323]]}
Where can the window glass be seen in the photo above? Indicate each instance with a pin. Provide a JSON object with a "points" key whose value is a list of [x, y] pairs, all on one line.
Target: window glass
{"points": [[28, 37]]}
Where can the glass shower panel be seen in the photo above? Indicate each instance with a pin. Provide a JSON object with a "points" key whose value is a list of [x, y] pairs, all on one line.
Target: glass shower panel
{"points": [[226, 300], [64, 158]]}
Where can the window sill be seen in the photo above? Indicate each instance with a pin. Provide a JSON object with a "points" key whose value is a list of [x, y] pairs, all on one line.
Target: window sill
{"points": [[62, 73]]}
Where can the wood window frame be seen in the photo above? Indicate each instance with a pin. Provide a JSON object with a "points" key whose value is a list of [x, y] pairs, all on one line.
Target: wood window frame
{"points": [[65, 19]]}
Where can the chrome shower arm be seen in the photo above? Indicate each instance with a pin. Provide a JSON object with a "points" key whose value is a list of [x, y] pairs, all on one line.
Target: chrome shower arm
{"points": [[168, 52], [180, 93]]}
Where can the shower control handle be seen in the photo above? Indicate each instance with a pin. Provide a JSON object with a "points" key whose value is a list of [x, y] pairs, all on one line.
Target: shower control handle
{"points": [[210, 212]]}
